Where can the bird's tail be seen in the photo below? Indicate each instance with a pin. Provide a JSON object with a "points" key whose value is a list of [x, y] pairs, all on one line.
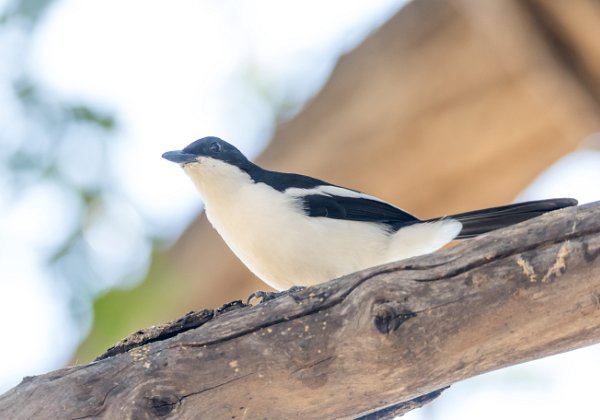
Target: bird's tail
{"points": [[485, 220]]}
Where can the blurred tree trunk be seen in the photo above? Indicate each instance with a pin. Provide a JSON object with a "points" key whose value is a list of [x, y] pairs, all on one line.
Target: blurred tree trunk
{"points": [[450, 106]]}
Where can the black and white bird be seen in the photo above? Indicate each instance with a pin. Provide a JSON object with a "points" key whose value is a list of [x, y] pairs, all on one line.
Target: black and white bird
{"points": [[294, 230]]}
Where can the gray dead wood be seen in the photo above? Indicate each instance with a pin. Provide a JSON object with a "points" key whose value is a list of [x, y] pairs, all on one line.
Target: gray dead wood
{"points": [[355, 345]]}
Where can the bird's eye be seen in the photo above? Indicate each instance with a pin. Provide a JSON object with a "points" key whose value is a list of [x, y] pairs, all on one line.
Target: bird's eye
{"points": [[214, 147]]}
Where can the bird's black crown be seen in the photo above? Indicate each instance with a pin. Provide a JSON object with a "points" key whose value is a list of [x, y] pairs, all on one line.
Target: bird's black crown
{"points": [[211, 147], [216, 148]]}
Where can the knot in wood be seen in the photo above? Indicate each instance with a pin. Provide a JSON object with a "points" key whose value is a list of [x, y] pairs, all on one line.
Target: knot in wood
{"points": [[163, 405], [388, 316]]}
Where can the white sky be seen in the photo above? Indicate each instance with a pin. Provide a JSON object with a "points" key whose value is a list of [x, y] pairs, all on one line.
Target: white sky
{"points": [[178, 71]]}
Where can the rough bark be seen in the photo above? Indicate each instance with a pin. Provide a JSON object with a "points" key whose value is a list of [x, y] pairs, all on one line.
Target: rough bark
{"points": [[357, 344]]}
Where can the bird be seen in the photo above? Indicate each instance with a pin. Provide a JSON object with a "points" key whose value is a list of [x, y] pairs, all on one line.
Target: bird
{"points": [[293, 230]]}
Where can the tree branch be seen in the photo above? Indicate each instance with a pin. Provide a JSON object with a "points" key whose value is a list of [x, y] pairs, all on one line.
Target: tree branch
{"points": [[357, 344]]}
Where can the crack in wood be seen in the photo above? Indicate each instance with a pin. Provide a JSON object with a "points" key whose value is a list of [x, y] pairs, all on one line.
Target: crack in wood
{"points": [[527, 269], [313, 364], [202, 391], [100, 409], [163, 405], [559, 266]]}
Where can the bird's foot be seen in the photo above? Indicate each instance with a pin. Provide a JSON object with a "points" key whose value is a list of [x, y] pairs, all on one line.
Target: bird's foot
{"points": [[267, 296], [262, 295]]}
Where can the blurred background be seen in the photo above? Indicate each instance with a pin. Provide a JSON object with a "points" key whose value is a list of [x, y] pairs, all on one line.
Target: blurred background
{"points": [[439, 106]]}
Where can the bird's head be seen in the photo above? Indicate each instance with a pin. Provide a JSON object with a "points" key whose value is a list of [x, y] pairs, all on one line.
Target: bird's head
{"points": [[205, 151], [213, 165]]}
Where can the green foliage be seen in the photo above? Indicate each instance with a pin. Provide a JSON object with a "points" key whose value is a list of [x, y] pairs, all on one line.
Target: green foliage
{"points": [[121, 312]]}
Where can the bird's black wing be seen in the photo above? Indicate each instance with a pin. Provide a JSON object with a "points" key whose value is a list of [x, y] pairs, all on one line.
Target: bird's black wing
{"points": [[361, 209], [322, 199]]}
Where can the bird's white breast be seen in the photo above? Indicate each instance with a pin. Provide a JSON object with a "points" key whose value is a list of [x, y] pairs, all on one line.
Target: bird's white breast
{"points": [[276, 240], [271, 234]]}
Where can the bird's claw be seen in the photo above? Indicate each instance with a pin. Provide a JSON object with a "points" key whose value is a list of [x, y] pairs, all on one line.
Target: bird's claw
{"points": [[262, 295], [294, 289], [267, 296]]}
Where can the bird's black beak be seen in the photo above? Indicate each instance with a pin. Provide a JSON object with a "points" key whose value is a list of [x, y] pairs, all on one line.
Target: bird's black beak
{"points": [[179, 156]]}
